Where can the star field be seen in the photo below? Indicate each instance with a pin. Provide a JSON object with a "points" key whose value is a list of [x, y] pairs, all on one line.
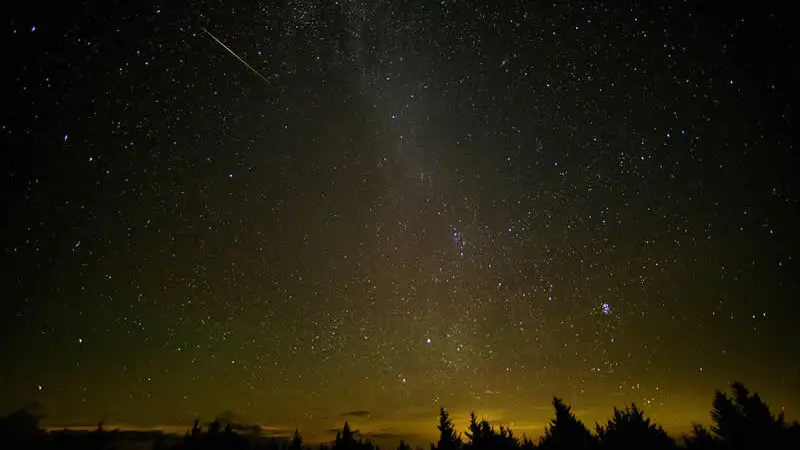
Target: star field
{"points": [[403, 205]]}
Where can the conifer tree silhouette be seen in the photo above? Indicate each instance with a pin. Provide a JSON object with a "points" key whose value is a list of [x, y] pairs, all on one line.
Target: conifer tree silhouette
{"points": [[346, 439], [214, 427], [478, 433], [743, 421], [506, 440], [483, 436], [448, 438], [630, 429], [196, 428], [527, 444], [366, 444], [97, 439], [403, 445], [297, 441], [699, 439], [193, 436], [566, 431]]}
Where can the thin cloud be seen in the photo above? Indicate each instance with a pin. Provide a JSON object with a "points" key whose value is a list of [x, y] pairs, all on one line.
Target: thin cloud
{"points": [[383, 435], [357, 413], [278, 432]]}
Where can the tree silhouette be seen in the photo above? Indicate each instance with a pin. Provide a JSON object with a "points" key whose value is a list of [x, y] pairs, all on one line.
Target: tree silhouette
{"points": [[216, 437], [448, 438], [193, 436], [527, 444], [745, 421], [403, 445], [214, 427], [345, 440], [699, 438], [98, 439], [792, 435], [630, 429], [20, 429], [506, 440], [196, 428], [566, 431], [297, 441], [483, 436], [367, 445], [479, 433]]}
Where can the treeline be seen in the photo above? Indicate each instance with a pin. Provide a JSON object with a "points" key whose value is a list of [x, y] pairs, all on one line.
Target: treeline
{"points": [[740, 420]]}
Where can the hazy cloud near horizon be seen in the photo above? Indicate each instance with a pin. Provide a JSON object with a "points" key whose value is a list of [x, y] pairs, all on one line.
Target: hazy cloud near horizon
{"points": [[357, 413]]}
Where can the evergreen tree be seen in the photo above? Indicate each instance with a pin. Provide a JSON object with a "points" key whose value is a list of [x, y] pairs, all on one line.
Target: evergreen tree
{"points": [[366, 444], [97, 439], [196, 428], [448, 438], [483, 436], [193, 436], [566, 431], [527, 444], [297, 441], [745, 421], [403, 445], [214, 427], [699, 439], [630, 429], [346, 439], [506, 440], [479, 433]]}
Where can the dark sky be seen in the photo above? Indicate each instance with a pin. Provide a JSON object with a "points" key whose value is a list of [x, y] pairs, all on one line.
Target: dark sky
{"points": [[396, 206]]}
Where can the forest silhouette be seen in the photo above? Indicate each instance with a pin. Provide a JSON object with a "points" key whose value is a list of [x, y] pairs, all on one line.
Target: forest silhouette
{"points": [[739, 420]]}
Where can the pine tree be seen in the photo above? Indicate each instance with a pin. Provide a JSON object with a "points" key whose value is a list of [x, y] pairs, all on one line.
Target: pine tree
{"points": [[196, 428], [483, 436], [297, 441], [506, 440], [745, 421], [448, 438], [479, 433], [699, 439], [346, 439], [527, 444], [566, 431], [97, 439], [630, 429], [214, 427]]}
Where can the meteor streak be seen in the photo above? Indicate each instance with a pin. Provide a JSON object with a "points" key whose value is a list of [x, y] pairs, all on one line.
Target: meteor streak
{"points": [[236, 56]]}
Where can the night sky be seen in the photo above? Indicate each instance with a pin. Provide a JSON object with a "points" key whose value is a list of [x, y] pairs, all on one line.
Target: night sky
{"points": [[387, 207]]}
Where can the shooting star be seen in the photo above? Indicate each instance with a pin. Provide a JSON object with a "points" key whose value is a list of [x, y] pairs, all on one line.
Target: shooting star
{"points": [[236, 56]]}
